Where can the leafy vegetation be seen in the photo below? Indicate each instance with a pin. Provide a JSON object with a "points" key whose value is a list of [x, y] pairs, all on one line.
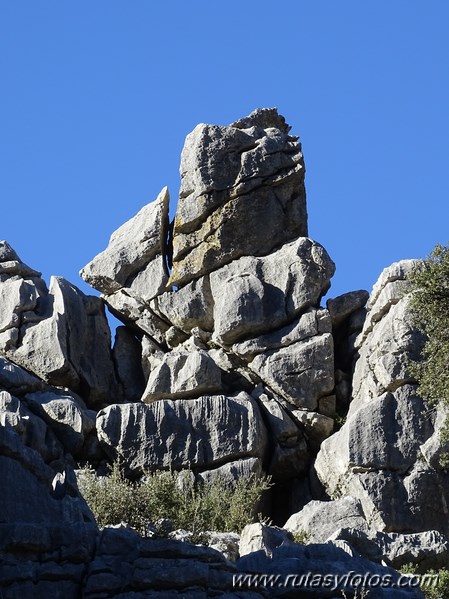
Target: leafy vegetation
{"points": [[440, 590], [430, 309], [302, 537], [214, 505]]}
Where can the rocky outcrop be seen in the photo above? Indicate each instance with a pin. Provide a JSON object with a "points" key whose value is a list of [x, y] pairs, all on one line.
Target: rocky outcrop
{"points": [[193, 433], [59, 334], [226, 365], [242, 193], [379, 454], [239, 317]]}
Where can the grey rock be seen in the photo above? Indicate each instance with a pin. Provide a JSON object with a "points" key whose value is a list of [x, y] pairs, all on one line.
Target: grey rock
{"points": [[226, 543], [42, 537], [11, 264], [377, 444], [188, 307], [341, 307], [291, 455], [242, 193], [254, 295], [390, 288], [426, 550], [16, 379], [134, 258], [300, 373], [231, 472], [321, 519], [317, 426], [31, 429], [327, 406], [260, 537], [183, 374], [69, 344], [127, 353], [195, 433], [133, 311], [156, 568], [300, 567], [311, 323], [435, 450], [379, 454], [65, 415]]}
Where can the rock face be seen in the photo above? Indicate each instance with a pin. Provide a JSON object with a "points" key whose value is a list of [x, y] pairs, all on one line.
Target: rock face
{"points": [[59, 334], [379, 454], [195, 433], [242, 193], [226, 365]]}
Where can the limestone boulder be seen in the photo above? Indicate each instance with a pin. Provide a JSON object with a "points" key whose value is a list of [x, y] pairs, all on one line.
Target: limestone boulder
{"points": [[135, 256], [255, 295], [341, 307], [378, 454], [66, 415], [32, 430], [427, 550], [242, 193], [261, 537], [198, 433], [231, 472], [17, 380], [302, 567], [60, 335], [300, 373], [320, 519], [47, 532], [182, 374], [290, 456]]}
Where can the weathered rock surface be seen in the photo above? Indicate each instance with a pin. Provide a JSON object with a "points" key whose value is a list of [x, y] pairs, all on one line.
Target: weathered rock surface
{"points": [[377, 456], [227, 367], [300, 373], [127, 352], [135, 257], [197, 433], [47, 533], [183, 374], [320, 519], [252, 294], [60, 335], [66, 415], [242, 193], [302, 570], [426, 550]]}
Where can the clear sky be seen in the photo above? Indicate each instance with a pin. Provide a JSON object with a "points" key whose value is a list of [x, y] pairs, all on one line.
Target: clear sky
{"points": [[97, 97]]}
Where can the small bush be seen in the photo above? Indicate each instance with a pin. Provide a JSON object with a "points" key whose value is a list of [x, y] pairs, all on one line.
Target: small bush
{"points": [[302, 537], [430, 590], [214, 505]]}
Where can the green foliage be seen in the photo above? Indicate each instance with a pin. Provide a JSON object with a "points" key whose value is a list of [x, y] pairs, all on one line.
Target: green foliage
{"points": [[430, 309], [214, 505], [301, 537], [440, 590]]}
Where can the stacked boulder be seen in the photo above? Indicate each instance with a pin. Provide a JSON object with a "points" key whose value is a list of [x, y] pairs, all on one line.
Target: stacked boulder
{"points": [[237, 353], [225, 364]]}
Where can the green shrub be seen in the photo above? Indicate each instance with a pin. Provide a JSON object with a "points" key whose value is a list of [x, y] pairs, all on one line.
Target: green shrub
{"points": [[214, 505], [430, 309], [431, 590], [302, 537]]}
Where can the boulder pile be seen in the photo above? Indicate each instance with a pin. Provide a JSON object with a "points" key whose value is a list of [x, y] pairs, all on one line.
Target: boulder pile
{"points": [[226, 363]]}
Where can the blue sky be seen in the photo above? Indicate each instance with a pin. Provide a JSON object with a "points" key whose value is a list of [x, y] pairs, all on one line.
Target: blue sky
{"points": [[97, 97]]}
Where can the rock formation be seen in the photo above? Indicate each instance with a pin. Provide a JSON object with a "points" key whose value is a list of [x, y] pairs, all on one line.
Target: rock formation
{"points": [[227, 363]]}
